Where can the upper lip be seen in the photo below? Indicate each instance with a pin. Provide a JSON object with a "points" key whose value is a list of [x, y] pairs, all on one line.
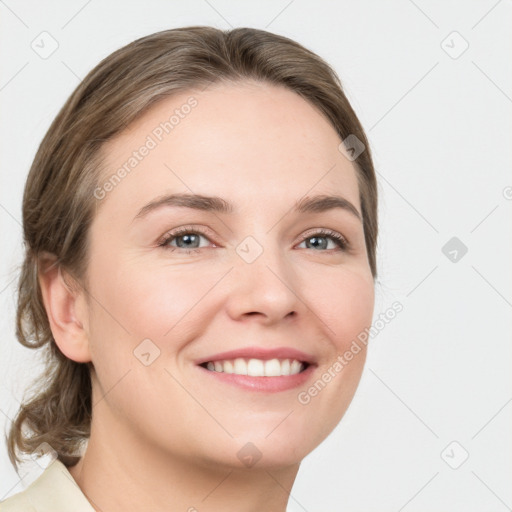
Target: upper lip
{"points": [[260, 353]]}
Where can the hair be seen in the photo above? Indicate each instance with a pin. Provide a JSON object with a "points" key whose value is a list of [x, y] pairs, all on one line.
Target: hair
{"points": [[59, 202]]}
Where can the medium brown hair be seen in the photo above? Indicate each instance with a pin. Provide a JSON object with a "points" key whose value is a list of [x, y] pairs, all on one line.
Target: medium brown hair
{"points": [[59, 203]]}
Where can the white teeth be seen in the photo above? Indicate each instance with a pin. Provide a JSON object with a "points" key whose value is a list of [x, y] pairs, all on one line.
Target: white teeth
{"points": [[240, 367], [257, 367], [295, 367], [228, 367], [273, 368]]}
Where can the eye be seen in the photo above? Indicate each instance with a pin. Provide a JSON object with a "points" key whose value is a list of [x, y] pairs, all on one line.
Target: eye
{"points": [[187, 240], [325, 234]]}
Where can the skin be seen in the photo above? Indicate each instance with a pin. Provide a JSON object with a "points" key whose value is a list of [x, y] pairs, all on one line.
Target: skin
{"points": [[166, 436]]}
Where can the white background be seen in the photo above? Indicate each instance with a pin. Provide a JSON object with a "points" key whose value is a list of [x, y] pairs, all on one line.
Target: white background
{"points": [[440, 130]]}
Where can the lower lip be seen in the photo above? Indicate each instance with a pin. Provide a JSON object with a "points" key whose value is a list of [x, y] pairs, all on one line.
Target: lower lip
{"points": [[264, 384]]}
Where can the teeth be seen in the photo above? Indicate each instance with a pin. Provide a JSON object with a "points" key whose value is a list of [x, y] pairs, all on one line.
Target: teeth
{"points": [[295, 367], [240, 367], [257, 367], [272, 368]]}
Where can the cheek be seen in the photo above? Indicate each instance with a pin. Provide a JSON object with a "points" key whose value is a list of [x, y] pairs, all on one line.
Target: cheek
{"points": [[344, 304], [147, 303], [136, 304]]}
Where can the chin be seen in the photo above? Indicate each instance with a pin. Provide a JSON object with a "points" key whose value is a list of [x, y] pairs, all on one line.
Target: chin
{"points": [[254, 452]]}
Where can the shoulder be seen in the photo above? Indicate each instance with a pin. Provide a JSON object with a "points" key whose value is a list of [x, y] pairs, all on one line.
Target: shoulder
{"points": [[54, 490]]}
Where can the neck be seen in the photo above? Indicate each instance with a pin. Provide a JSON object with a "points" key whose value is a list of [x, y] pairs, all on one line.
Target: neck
{"points": [[119, 472]]}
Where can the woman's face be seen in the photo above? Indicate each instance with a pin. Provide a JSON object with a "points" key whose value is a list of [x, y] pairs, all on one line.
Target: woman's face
{"points": [[264, 276]]}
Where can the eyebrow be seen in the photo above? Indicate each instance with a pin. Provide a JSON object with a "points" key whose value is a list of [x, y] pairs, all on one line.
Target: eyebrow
{"points": [[315, 204]]}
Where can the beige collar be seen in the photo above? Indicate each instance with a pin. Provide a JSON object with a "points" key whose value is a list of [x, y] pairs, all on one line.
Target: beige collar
{"points": [[55, 490]]}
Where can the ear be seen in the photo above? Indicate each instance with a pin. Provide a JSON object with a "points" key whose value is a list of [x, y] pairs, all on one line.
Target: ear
{"points": [[66, 309]]}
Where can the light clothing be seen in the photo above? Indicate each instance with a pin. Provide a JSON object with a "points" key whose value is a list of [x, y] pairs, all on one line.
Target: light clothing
{"points": [[55, 490]]}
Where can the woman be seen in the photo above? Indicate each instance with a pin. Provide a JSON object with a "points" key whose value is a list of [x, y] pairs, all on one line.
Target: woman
{"points": [[200, 224]]}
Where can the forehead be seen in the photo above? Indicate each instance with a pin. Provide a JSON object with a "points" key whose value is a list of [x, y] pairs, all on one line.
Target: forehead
{"points": [[247, 142]]}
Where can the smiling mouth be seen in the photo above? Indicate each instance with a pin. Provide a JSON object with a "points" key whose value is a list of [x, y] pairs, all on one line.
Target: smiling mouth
{"points": [[257, 367]]}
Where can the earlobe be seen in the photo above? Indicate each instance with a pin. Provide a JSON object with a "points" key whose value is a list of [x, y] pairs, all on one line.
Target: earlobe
{"points": [[64, 306]]}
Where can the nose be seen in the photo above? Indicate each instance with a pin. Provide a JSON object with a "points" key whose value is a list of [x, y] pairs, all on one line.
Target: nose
{"points": [[265, 289]]}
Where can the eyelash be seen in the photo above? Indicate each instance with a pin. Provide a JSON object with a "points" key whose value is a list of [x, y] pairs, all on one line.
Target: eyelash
{"points": [[339, 240]]}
